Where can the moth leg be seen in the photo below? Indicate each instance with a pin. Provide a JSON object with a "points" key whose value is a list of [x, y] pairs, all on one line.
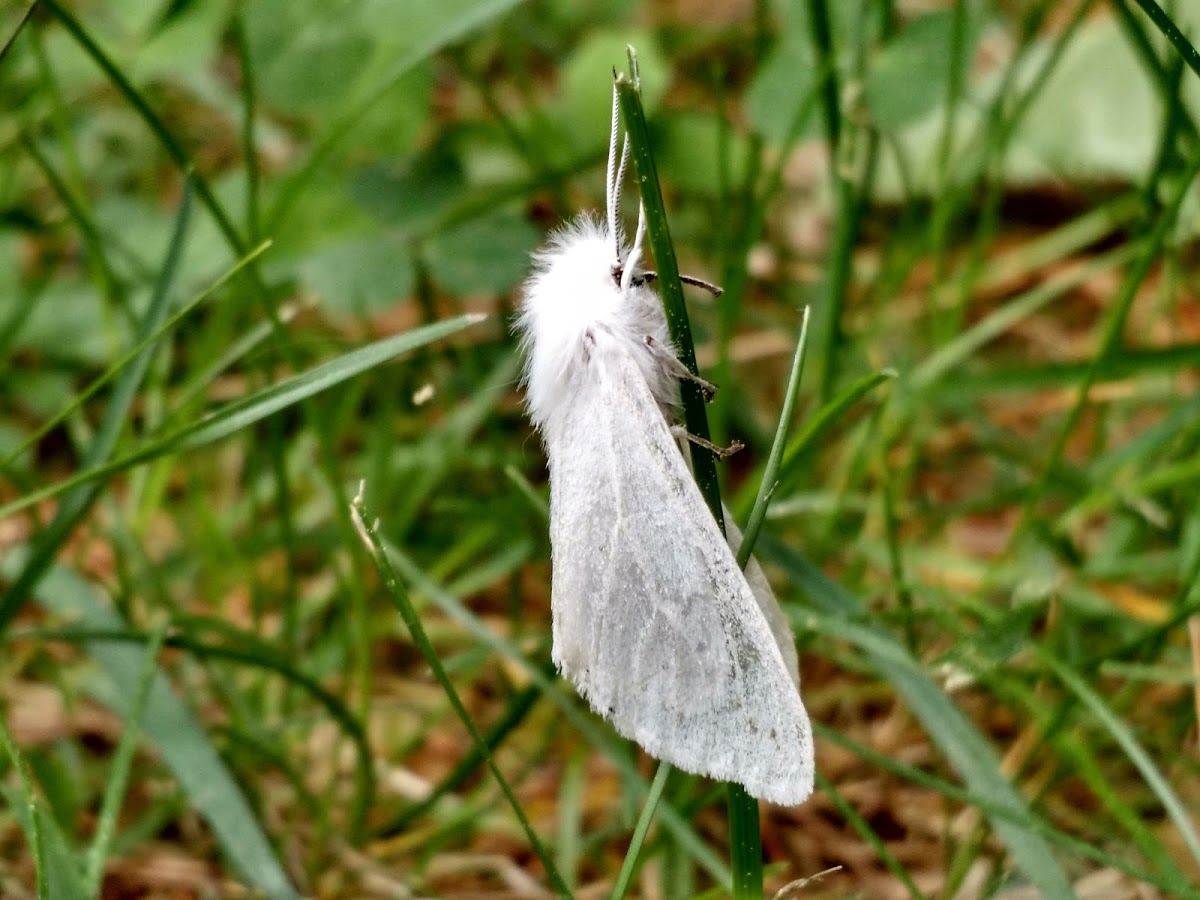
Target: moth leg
{"points": [[713, 289], [720, 452], [672, 364]]}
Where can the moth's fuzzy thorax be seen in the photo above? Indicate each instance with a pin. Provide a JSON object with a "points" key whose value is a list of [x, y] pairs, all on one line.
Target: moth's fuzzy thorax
{"points": [[572, 291]]}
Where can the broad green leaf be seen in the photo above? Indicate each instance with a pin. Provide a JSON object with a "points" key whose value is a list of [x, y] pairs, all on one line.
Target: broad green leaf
{"points": [[309, 55], [687, 150], [361, 275], [1098, 115], [585, 104], [909, 77], [411, 194], [780, 86], [419, 31], [483, 256], [186, 44], [68, 325]]}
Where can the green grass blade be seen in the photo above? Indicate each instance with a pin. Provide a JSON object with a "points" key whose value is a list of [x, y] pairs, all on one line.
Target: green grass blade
{"points": [[151, 118], [248, 410], [769, 480], [459, 18], [863, 828], [967, 343], [967, 750], [10, 330], [1085, 758], [745, 840], [76, 209], [681, 829], [13, 18], [847, 211], [825, 419], [249, 118], [968, 798], [1170, 30], [170, 726], [1137, 755], [245, 649], [1122, 364], [76, 504], [238, 349], [1149, 250], [658, 233], [244, 412], [568, 842], [118, 779], [745, 843], [131, 355], [516, 713], [398, 594], [56, 872], [629, 863], [970, 754]]}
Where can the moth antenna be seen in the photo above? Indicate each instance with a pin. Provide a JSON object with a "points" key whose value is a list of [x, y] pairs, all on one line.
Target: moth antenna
{"points": [[614, 201], [621, 172], [612, 193], [635, 252]]}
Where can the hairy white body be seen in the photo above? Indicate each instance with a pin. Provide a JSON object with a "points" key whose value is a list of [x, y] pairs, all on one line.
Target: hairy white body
{"points": [[572, 291], [654, 623]]}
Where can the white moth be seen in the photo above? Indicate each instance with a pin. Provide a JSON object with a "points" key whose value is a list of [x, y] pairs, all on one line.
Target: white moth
{"points": [[654, 623]]}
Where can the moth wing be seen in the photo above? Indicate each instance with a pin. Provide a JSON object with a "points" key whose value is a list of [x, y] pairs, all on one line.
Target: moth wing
{"points": [[781, 629], [653, 621]]}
